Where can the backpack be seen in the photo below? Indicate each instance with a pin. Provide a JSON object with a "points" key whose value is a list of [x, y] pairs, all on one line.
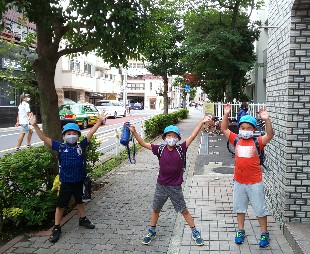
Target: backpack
{"points": [[125, 139], [260, 152], [179, 150]]}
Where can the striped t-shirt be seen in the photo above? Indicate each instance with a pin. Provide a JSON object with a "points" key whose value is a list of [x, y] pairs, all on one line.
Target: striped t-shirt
{"points": [[72, 166]]}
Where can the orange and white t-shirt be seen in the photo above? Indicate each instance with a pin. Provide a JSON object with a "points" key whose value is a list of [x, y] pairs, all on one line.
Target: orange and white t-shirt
{"points": [[247, 163]]}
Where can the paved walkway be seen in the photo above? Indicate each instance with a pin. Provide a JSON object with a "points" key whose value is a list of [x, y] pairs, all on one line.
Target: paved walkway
{"points": [[121, 210]]}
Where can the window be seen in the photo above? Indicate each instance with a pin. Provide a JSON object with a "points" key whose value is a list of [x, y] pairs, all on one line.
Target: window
{"points": [[71, 65], [151, 86], [136, 86]]}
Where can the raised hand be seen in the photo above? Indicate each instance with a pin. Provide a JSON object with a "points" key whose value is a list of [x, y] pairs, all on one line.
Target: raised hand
{"points": [[103, 115], [227, 108], [132, 128], [32, 119], [206, 119], [263, 114]]}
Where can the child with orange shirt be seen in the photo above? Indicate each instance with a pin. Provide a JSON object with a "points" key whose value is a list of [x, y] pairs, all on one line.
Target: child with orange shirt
{"points": [[248, 184]]}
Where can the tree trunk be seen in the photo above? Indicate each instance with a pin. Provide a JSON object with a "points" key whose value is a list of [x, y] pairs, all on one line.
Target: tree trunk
{"points": [[229, 97], [184, 99], [165, 94], [45, 71]]}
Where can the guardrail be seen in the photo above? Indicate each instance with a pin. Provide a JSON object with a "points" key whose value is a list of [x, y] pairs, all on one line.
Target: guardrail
{"points": [[116, 132]]}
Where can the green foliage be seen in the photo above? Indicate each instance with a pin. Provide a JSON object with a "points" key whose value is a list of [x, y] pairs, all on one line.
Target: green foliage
{"points": [[92, 154], [25, 178], [219, 48], [156, 125], [26, 181]]}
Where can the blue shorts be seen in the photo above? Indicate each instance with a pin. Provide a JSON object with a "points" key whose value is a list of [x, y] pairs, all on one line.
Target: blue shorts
{"points": [[254, 193], [24, 128], [162, 193]]}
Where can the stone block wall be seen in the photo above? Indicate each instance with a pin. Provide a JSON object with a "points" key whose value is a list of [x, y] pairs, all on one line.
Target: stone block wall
{"points": [[288, 100]]}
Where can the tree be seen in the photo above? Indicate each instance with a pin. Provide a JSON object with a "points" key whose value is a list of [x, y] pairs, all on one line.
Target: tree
{"points": [[163, 52], [114, 29], [219, 48]]}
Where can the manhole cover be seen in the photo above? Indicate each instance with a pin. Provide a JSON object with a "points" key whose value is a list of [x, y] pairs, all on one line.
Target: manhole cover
{"points": [[224, 170]]}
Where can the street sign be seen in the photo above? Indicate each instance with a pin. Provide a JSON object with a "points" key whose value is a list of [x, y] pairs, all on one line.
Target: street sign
{"points": [[187, 88]]}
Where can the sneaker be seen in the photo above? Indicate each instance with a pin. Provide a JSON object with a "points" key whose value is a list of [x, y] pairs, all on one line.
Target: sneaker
{"points": [[17, 149], [55, 235], [240, 235], [149, 237], [197, 238], [86, 223], [29, 146], [264, 240]]}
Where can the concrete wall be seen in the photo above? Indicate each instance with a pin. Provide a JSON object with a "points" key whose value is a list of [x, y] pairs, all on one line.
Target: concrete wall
{"points": [[288, 96]]}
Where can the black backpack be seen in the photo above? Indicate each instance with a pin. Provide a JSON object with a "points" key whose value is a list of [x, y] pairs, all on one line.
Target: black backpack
{"points": [[260, 152], [179, 150]]}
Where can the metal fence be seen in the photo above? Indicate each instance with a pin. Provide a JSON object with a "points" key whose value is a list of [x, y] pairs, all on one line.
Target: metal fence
{"points": [[218, 109]]}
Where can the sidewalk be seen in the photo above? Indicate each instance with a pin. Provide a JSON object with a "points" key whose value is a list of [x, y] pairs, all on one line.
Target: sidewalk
{"points": [[121, 210]]}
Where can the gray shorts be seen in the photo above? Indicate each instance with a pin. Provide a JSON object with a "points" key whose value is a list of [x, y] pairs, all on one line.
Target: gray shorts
{"points": [[254, 193], [24, 128], [162, 193]]}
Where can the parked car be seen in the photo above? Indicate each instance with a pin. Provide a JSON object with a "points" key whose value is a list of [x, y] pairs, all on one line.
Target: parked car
{"points": [[113, 108], [83, 114], [137, 105]]}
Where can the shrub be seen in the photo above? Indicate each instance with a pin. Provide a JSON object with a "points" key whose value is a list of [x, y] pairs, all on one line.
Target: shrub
{"points": [[156, 125], [24, 177]]}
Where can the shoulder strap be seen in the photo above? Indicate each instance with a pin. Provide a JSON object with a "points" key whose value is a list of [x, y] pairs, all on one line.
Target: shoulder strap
{"points": [[160, 150], [257, 145], [236, 140], [183, 157]]}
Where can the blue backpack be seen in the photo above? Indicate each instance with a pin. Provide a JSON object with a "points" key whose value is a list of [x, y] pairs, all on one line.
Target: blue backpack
{"points": [[125, 139]]}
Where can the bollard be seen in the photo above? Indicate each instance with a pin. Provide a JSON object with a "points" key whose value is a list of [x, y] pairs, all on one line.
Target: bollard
{"points": [[142, 129], [117, 150]]}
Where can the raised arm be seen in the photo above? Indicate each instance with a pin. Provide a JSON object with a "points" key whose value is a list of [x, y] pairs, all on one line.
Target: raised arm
{"points": [[203, 120], [269, 131], [91, 132], [138, 137], [224, 124], [33, 122]]}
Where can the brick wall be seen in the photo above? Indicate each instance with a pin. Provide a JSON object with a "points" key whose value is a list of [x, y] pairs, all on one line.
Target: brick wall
{"points": [[288, 100]]}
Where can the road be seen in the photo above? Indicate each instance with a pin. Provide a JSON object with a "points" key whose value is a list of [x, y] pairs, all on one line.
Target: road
{"points": [[105, 134]]}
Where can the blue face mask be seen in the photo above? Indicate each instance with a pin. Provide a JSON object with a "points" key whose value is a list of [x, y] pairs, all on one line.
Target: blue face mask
{"points": [[171, 141], [71, 139], [245, 134]]}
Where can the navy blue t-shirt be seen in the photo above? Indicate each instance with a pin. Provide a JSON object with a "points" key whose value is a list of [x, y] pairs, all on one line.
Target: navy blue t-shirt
{"points": [[72, 166]]}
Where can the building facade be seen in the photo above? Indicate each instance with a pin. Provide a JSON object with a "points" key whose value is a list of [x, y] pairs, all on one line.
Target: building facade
{"points": [[288, 100]]}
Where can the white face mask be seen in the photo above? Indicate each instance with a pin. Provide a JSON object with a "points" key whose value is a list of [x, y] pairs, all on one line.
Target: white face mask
{"points": [[71, 139], [171, 141], [245, 134]]}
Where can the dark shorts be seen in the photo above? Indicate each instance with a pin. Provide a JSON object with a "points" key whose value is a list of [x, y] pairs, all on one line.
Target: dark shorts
{"points": [[67, 190], [162, 193]]}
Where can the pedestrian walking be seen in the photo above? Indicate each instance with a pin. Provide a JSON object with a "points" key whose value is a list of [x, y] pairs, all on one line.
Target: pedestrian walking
{"points": [[242, 111], [23, 121], [72, 169], [248, 179], [170, 178]]}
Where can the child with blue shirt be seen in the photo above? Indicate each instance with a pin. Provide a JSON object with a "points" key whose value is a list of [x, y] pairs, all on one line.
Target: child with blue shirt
{"points": [[72, 169], [170, 177]]}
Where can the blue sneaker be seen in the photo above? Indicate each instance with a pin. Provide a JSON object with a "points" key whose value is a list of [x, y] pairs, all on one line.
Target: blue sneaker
{"points": [[240, 235], [149, 237], [197, 238], [264, 240]]}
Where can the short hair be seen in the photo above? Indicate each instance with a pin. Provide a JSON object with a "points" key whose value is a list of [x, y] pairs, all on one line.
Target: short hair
{"points": [[244, 105]]}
